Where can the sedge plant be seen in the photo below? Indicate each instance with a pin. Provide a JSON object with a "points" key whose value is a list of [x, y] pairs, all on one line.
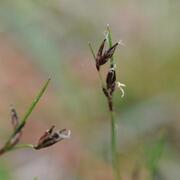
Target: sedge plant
{"points": [[49, 138], [108, 87]]}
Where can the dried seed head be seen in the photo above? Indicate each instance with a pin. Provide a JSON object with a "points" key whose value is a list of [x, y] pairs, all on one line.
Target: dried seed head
{"points": [[49, 137]]}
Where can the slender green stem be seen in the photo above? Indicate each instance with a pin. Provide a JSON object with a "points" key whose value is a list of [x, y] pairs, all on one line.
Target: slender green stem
{"points": [[115, 161], [94, 56], [34, 103]]}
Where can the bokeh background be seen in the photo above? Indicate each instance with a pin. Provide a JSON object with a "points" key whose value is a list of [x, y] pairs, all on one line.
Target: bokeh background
{"points": [[40, 38]]}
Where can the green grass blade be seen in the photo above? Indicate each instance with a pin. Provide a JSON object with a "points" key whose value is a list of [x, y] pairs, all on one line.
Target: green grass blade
{"points": [[29, 111], [155, 155], [34, 103]]}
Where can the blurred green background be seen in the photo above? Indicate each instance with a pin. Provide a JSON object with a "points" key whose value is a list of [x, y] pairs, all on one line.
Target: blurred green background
{"points": [[40, 38]]}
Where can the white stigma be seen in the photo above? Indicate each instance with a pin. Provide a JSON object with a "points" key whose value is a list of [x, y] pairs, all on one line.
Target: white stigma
{"points": [[65, 136], [120, 85]]}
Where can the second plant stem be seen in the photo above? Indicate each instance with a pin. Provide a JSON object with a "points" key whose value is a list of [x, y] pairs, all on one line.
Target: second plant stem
{"points": [[114, 154]]}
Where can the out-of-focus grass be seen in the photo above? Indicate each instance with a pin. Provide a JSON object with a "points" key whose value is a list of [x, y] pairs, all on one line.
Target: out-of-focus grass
{"points": [[155, 154]]}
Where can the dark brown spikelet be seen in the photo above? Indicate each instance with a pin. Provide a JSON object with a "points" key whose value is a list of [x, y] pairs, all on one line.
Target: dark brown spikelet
{"points": [[103, 57], [99, 55], [100, 51], [111, 81], [50, 137], [109, 53], [46, 134]]}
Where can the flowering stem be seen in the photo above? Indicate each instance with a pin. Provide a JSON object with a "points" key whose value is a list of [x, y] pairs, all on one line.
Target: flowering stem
{"points": [[115, 161], [108, 88]]}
